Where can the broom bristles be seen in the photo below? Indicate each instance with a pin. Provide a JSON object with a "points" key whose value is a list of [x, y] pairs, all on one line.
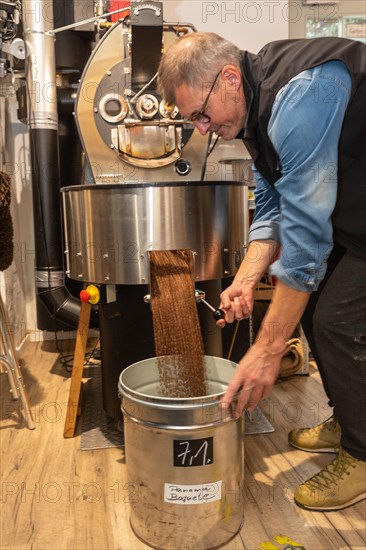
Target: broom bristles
{"points": [[6, 223]]}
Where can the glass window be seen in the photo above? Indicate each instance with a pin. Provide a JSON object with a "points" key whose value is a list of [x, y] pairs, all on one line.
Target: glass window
{"points": [[353, 27]]}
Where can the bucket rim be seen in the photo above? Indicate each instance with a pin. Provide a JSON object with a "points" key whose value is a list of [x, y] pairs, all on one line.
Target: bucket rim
{"points": [[169, 402]]}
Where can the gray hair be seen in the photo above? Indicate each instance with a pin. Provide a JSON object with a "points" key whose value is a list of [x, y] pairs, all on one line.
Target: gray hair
{"points": [[192, 59]]}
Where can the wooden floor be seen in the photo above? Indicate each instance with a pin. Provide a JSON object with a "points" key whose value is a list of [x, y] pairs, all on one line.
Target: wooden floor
{"points": [[55, 496]]}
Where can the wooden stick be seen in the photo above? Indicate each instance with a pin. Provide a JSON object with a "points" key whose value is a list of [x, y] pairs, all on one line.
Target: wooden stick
{"points": [[77, 369]]}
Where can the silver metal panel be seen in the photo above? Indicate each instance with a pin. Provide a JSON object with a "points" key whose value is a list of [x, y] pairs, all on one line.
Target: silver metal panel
{"points": [[107, 166], [110, 228], [40, 64]]}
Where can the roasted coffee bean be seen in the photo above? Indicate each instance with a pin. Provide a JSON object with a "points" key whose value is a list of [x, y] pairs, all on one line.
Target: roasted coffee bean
{"points": [[177, 332]]}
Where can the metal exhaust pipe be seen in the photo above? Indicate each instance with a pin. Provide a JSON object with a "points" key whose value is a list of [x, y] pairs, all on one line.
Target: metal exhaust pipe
{"points": [[57, 309]]}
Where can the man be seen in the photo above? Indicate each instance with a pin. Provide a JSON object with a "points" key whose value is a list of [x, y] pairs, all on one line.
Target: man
{"points": [[300, 108]]}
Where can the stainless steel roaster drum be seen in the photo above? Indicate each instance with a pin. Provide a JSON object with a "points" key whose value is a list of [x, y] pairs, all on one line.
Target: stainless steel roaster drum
{"points": [[110, 228]]}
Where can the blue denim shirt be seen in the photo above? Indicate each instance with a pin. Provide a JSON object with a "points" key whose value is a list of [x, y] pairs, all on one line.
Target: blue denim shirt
{"points": [[304, 127]]}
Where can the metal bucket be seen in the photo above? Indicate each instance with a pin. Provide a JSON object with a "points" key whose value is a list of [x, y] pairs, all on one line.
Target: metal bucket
{"points": [[184, 458]]}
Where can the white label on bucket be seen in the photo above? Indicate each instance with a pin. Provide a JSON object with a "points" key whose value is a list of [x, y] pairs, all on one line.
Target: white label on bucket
{"points": [[192, 494]]}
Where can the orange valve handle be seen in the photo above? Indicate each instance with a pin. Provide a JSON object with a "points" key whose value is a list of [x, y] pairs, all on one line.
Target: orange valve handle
{"points": [[90, 294]]}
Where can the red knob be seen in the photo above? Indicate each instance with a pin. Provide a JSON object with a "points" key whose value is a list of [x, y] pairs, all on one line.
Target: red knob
{"points": [[84, 296]]}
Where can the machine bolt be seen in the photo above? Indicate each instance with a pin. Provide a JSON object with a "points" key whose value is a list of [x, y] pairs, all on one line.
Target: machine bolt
{"points": [[226, 250], [226, 272], [79, 254], [105, 256], [80, 276], [111, 146], [95, 110], [106, 278], [143, 280], [142, 256], [109, 73]]}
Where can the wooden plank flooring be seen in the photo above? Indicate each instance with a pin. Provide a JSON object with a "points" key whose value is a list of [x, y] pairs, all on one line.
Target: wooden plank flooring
{"points": [[56, 497]]}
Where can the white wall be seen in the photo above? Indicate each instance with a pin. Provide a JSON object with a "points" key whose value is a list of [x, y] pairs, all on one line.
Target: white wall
{"points": [[249, 24], [17, 282]]}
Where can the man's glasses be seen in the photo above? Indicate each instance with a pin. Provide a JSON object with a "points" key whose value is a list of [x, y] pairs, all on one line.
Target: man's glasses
{"points": [[200, 116]]}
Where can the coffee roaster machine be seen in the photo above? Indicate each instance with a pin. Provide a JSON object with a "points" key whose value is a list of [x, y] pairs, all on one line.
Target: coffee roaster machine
{"points": [[151, 188], [150, 182]]}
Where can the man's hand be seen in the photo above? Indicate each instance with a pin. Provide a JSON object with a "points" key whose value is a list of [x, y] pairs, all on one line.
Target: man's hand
{"points": [[254, 378], [258, 369], [237, 302]]}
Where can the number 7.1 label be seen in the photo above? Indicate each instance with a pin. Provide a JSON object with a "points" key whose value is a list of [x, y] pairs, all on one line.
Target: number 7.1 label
{"points": [[193, 452]]}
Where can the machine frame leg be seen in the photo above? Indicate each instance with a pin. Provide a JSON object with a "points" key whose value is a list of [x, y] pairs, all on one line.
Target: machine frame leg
{"points": [[10, 366]]}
